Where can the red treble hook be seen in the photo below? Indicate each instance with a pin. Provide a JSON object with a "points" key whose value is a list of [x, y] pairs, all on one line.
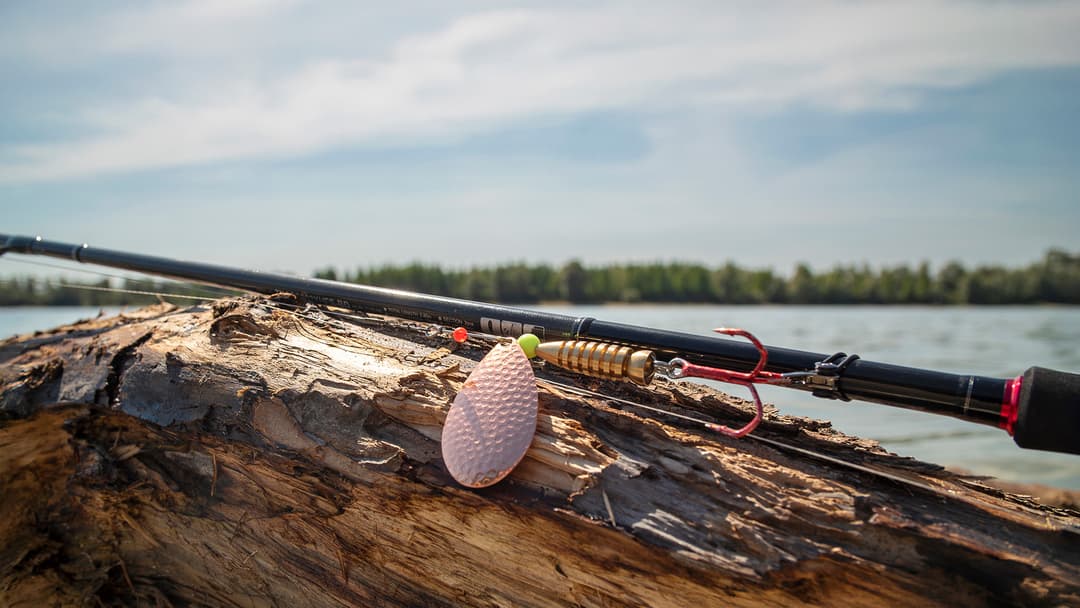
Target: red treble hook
{"points": [[680, 368]]}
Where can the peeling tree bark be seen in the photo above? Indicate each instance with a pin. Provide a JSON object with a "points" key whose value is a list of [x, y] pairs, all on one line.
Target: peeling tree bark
{"points": [[240, 455]]}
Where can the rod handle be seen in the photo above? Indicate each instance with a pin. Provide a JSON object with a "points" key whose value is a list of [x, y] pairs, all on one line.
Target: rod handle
{"points": [[1048, 412]]}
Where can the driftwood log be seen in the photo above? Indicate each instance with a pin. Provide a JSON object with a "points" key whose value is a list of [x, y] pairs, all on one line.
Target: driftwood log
{"points": [[236, 454]]}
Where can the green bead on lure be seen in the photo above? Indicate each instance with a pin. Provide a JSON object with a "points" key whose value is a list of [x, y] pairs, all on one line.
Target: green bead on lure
{"points": [[528, 343]]}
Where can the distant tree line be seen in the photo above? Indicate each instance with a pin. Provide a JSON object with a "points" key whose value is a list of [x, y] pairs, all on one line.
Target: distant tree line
{"points": [[1055, 279]]}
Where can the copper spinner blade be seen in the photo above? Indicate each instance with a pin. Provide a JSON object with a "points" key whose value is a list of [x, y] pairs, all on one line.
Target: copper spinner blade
{"points": [[493, 419]]}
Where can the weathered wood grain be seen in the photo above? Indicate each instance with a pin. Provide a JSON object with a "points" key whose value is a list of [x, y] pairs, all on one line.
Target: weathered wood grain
{"points": [[236, 454]]}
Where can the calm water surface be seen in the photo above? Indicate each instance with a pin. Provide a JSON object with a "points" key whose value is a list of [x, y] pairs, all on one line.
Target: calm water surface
{"points": [[998, 341]]}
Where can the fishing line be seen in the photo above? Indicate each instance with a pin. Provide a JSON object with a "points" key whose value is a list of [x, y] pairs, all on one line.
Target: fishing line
{"points": [[102, 273], [359, 319], [70, 268], [584, 392], [90, 271], [131, 291], [330, 315]]}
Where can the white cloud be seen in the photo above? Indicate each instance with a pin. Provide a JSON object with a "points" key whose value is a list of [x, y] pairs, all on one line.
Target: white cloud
{"points": [[488, 68]]}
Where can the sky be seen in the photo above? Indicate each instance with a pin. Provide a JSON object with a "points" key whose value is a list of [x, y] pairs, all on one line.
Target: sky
{"points": [[290, 135]]}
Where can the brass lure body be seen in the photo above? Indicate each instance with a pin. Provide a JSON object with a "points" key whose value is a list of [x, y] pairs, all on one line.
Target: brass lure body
{"points": [[600, 360]]}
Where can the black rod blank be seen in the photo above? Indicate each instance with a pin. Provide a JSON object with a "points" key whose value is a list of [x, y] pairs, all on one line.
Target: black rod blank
{"points": [[975, 398]]}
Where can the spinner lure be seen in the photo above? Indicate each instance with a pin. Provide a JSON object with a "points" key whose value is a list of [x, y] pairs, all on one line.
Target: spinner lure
{"points": [[493, 418]]}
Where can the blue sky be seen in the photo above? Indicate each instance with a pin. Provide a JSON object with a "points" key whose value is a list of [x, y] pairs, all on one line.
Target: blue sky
{"points": [[288, 135]]}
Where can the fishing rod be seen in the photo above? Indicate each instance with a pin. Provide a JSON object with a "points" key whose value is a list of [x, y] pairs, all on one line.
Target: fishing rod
{"points": [[1040, 408]]}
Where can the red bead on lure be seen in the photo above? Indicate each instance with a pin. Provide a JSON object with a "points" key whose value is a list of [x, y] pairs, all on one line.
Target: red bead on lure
{"points": [[460, 335], [492, 420]]}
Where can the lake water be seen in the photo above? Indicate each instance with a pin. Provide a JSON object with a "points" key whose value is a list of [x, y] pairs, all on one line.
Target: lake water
{"points": [[991, 341]]}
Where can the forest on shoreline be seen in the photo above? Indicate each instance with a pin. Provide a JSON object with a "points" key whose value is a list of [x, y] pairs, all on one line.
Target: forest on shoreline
{"points": [[1054, 279]]}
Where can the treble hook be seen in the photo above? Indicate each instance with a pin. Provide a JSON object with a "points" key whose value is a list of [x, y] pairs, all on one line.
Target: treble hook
{"points": [[681, 368]]}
